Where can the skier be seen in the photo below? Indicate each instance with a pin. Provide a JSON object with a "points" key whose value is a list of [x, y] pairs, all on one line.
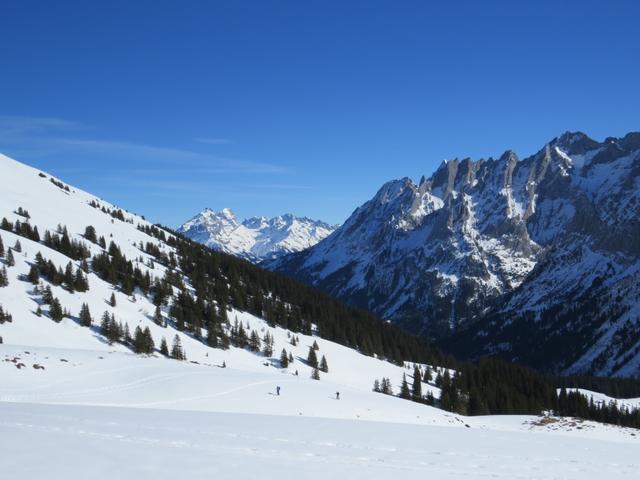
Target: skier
{"points": [[337, 395], [278, 391]]}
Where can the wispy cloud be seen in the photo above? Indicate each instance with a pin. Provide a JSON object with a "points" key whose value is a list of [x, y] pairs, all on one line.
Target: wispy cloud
{"points": [[50, 136], [18, 128]]}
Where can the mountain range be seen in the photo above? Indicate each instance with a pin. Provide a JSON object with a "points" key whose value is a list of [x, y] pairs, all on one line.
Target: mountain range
{"points": [[257, 238], [534, 259]]}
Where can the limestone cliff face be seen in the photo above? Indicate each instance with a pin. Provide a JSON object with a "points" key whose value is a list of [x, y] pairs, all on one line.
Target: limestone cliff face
{"points": [[484, 250]]}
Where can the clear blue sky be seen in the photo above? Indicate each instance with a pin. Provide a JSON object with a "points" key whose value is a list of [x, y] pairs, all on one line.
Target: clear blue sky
{"points": [[300, 106]]}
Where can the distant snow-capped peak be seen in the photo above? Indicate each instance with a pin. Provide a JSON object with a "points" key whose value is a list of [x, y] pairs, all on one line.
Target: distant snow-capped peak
{"points": [[255, 238]]}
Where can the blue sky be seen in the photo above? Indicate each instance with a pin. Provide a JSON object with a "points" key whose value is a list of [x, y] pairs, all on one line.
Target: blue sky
{"points": [[300, 106]]}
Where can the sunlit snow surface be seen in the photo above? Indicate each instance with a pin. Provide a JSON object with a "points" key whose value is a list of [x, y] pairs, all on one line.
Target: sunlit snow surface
{"points": [[117, 415], [98, 411]]}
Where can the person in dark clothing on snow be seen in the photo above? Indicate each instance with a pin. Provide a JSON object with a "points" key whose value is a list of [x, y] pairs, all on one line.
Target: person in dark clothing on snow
{"points": [[278, 391], [337, 395]]}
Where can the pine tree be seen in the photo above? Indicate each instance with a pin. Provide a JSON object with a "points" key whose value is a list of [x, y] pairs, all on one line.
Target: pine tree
{"points": [[157, 317], [254, 341], [267, 349], [312, 359], [90, 234], [376, 386], [323, 365], [10, 260], [68, 277], [164, 349], [85, 316], [4, 277], [290, 357], [416, 388], [427, 375], [315, 346], [55, 311], [80, 283], [1, 248], [17, 247], [126, 334], [284, 359], [315, 374], [404, 389], [176, 349], [138, 341], [112, 300], [34, 275], [47, 295]]}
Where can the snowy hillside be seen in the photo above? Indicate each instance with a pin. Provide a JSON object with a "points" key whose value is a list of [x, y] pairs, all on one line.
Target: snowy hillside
{"points": [[505, 252], [147, 417], [255, 239], [65, 387]]}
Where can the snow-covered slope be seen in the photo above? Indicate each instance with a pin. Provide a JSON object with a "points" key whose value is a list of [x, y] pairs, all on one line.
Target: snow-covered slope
{"points": [[146, 417], [71, 403], [537, 259], [255, 239]]}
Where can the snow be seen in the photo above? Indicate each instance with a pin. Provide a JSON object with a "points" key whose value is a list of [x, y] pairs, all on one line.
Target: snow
{"points": [[99, 408], [142, 417]]}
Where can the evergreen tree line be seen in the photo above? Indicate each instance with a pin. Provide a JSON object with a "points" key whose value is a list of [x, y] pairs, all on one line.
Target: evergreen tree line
{"points": [[24, 229], [495, 387], [226, 280], [611, 386], [74, 281]]}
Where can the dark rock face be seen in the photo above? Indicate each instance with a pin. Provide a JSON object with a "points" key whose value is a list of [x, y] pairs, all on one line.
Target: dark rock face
{"points": [[537, 260]]}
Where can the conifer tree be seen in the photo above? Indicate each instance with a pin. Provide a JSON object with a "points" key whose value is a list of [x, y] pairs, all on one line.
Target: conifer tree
{"points": [[324, 367], [404, 389], [38, 311], [4, 277], [68, 277], [55, 311], [10, 260], [376, 386], [90, 234], [290, 357], [267, 349], [80, 283], [1, 248], [17, 247], [315, 346], [315, 374], [126, 334], [47, 295], [416, 388], [312, 359], [254, 341], [34, 275], [284, 359], [112, 300], [176, 349], [157, 317], [427, 375], [138, 341], [85, 316], [164, 348]]}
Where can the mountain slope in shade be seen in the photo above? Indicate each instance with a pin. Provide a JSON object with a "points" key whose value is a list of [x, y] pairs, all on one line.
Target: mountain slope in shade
{"points": [[257, 238], [534, 259]]}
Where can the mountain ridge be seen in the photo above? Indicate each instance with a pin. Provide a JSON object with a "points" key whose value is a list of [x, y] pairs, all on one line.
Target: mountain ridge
{"points": [[506, 239], [255, 238]]}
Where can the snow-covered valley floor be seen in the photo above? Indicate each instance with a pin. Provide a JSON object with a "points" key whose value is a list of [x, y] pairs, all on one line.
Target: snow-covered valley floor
{"points": [[123, 416]]}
